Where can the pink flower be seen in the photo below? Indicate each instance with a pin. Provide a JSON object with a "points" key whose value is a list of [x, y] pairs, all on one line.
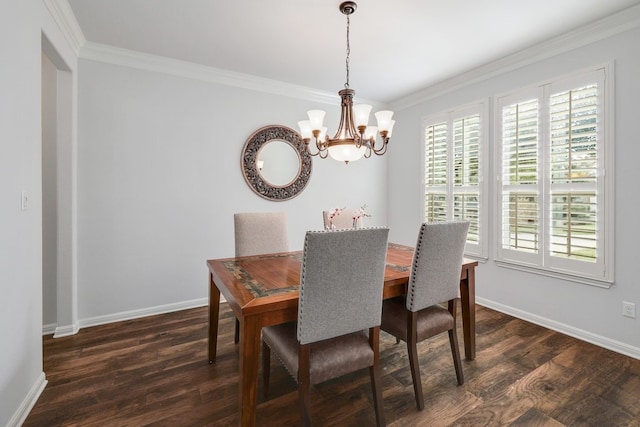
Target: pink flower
{"points": [[334, 213], [359, 213]]}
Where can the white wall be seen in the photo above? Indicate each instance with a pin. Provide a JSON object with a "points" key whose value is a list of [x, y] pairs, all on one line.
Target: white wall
{"points": [[22, 24], [20, 259], [591, 313], [160, 179]]}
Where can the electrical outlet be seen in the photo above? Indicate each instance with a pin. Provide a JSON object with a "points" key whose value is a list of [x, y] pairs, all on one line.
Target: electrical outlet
{"points": [[629, 309]]}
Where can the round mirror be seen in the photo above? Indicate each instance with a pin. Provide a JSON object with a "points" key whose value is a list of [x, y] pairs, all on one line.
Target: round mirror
{"points": [[278, 163], [275, 163]]}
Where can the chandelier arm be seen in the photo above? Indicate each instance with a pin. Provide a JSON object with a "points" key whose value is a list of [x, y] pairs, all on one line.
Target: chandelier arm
{"points": [[319, 149], [322, 145], [308, 150], [380, 151]]}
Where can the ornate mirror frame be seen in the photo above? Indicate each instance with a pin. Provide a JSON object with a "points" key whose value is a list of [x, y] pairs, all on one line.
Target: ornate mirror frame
{"points": [[249, 157]]}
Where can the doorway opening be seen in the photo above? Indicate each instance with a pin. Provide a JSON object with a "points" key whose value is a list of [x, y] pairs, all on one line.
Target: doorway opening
{"points": [[59, 288]]}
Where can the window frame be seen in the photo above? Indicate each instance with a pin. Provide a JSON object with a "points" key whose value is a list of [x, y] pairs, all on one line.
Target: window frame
{"points": [[473, 250], [601, 272]]}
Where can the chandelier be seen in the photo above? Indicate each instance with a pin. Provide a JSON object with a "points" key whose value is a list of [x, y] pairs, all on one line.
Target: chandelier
{"points": [[354, 139]]}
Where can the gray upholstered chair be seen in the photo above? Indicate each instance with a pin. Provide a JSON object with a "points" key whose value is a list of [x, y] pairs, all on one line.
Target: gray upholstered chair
{"points": [[340, 298], [341, 221], [258, 233], [434, 279]]}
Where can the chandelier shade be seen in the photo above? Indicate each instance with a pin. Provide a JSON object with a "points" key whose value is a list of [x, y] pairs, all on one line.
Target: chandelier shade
{"points": [[354, 138]]}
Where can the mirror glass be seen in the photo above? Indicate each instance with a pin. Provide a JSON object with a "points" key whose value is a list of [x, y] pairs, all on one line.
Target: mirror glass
{"points": [[275, 163], [278, 163]]}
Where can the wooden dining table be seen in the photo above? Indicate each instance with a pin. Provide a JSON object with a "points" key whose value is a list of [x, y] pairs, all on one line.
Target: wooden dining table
{"points": [[262, 291]]}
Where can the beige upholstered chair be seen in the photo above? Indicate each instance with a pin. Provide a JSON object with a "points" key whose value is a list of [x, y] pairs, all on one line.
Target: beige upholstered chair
{"points": [[434, 279], [340, 298], [341, 221], [258, 233]]}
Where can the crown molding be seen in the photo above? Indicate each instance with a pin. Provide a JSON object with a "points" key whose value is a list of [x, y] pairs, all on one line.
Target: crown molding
{"points": [[617, 23], [160, 64], [65, 19]]}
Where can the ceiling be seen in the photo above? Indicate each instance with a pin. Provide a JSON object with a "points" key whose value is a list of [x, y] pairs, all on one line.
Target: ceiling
{"points": [[397, 47]]}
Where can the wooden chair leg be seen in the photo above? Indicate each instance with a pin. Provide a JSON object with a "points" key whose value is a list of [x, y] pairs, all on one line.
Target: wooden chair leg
{"points": [[374, 372], [266, 369], [414, 363], [304, 385], [236, 337], [455, 352], [453, 342]]}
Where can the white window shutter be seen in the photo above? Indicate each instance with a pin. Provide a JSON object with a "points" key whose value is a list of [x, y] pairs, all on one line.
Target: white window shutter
{"points": [[453, 171]]}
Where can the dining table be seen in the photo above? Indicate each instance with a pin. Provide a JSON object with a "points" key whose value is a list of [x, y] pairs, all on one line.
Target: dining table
{"points": [[262, 290]]}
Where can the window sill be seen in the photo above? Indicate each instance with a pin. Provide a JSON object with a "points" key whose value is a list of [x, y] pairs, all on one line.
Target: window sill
{"points": [[480, 259], [556, 274]]}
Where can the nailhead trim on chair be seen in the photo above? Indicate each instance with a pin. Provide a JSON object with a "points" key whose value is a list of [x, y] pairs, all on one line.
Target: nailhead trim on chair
{"points": [[418, 250], [415, 264]]}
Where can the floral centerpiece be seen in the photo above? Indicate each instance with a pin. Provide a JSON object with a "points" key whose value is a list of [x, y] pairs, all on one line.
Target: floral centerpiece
{"points": [[331, 215], [358, 214]]}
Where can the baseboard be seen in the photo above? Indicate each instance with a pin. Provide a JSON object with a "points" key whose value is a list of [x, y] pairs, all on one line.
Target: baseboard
{"points": [[149, 311], [60, 331], [599, 340], [29, 401], [65, 331], [49, 329]]}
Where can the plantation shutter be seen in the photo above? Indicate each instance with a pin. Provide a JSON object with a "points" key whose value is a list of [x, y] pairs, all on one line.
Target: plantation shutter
{"points": [[466, 173], [574, 173], [436, 137], [520, 176], [555, 215]]}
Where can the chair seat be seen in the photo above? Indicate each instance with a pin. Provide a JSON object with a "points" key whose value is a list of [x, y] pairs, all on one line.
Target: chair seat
{"points": [[327, 358], [431, 321]]}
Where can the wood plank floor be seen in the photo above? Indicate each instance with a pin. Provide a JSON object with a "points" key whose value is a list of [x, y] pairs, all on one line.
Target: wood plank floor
{"points": [[154, 371]]}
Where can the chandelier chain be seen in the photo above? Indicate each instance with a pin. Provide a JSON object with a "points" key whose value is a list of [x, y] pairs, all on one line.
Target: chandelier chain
{"points": [[346, 85]]}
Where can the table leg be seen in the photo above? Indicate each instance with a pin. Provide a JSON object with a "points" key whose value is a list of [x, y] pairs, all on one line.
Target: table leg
{"points": [[468, 297], [249, 364], [214, 314]]}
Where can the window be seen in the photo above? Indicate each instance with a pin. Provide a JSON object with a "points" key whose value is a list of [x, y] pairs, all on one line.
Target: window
{"points": [[453, 170], [553, 202]]}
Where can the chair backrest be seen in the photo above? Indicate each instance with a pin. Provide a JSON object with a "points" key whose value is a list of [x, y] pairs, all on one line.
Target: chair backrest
{"points": [[341, 221], [341, 282], [437, 260], [258, 233]]}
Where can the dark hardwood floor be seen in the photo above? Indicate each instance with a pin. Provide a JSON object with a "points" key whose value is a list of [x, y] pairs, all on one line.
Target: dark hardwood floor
{"points": [[154, 371]]}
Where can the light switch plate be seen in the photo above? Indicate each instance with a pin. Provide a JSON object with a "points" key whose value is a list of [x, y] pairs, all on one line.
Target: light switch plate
{"points": [[24, 204]]}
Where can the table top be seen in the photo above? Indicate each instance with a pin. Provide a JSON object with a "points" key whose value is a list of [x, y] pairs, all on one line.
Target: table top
{"points": [[266, 282]]}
